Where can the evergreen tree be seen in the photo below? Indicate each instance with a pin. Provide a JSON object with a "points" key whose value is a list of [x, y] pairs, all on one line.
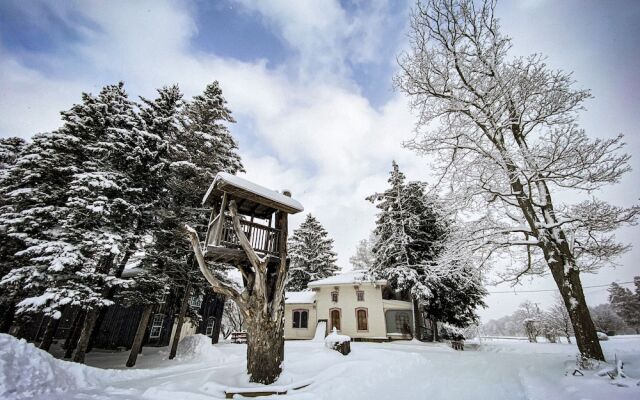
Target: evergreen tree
{"points": [[311, 253], [410, 233], [10, 149], [626, 304]]}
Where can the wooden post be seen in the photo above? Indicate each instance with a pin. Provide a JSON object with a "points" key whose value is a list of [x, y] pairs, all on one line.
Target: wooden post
{"points": [[209, 227], [219, 227]]}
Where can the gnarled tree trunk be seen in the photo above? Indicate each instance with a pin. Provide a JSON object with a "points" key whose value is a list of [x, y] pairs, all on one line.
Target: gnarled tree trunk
{"points": [[261, 302], [265, 347]]}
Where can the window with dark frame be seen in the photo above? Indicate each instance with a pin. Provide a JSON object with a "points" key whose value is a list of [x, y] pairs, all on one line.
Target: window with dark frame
{"points": [[360, 295], [156, 326], [300, 319], [210, 323], [334, 297], [363, 323]]}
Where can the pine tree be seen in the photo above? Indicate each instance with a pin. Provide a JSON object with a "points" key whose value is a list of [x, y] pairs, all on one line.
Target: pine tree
{"points": [[410, 233], [626, 304], [10, 149], [311, 253]]}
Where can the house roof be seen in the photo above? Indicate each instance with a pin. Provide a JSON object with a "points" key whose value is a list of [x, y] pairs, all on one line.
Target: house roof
{"points": [[251, 197], [299, 297], [347, 278]]}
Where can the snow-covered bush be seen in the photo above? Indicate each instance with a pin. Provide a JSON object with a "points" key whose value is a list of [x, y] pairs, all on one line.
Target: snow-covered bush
{"points": [[449, 332]]}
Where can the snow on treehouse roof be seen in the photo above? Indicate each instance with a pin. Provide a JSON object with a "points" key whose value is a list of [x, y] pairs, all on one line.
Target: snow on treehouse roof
{"points": [[299, 297], [347, 278], [252, 192]]}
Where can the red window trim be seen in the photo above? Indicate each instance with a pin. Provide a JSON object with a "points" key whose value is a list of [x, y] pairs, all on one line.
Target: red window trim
{"points": [[366, 310]]}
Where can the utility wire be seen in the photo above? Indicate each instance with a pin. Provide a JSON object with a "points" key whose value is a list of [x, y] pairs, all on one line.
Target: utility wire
{"points": [[553, 290]]}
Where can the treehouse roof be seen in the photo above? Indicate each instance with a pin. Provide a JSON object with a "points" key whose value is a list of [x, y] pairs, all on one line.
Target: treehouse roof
{"points": [[251, 198]]}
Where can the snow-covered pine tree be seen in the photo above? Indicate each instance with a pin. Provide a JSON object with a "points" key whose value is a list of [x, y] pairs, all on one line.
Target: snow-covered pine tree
{"points": [[311, 253], [406, 237], [626, 304], [73, 208], [410, 234], [203, 147], [10, 149]]}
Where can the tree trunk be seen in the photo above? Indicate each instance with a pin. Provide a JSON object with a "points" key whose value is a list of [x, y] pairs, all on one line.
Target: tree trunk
{"points": [[417, 320], [110, 292], [137, 341], [49, 334], [568, 339], [8, 315], [180, 322], [74, 334], [219, 311], [265, 348], [570, 288], [436, 336], [87, 328]]}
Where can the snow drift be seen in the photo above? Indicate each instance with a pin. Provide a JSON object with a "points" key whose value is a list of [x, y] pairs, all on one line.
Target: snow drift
{"points": [[26, 371]]}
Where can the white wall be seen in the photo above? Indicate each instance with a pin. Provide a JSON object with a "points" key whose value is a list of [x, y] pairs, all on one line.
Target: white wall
{"points": [[348, 304]]}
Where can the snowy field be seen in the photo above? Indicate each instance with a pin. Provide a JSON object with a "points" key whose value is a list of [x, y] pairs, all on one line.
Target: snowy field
{"points": [[495, 369]]}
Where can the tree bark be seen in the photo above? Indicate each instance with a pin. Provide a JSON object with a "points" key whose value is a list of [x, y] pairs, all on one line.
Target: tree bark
{"points": [[417, 320], [265, 348], [219, 311], [7, 317], [49, 334], [74, 334], [180, 322], [87, 327], [570, 288], [137, 341]]}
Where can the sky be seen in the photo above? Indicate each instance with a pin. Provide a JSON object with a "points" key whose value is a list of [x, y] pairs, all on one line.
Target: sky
{"points": [[310, 85]]}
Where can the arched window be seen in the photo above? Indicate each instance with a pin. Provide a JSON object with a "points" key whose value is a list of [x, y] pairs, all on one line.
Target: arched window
{"points": [[301, 319], [334, 316], [362, 319], [210, 323]]}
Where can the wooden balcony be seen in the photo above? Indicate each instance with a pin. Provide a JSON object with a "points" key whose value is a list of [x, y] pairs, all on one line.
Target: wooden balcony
{"points": [[222, 243]]}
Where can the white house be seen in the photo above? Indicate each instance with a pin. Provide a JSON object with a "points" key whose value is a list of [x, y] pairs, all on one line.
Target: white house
{"points": [[351, 303]]}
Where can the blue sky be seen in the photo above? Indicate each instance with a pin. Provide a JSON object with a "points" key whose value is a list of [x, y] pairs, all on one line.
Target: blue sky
{"points": [[310, 85]]}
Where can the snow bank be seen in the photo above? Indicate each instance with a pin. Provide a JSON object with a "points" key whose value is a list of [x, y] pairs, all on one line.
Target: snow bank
{"points": [[199, 348], [26, 371]]}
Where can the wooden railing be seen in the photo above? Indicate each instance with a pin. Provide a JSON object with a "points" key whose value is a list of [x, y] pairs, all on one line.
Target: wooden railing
{"points": [[263, 239]]}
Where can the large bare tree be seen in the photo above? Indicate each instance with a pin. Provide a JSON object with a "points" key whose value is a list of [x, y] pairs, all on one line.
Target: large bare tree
{"points": [[261, 301], [503, 135]]}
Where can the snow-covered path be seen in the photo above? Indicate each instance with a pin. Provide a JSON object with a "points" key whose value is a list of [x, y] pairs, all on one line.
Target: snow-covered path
{"points": [[399, 370]]}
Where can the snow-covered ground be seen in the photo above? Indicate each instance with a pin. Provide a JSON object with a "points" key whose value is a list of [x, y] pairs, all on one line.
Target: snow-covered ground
{"points": [[496, 369]]}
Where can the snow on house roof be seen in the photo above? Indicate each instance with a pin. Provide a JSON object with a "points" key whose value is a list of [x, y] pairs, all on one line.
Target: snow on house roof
{"points": [[260, 191], [347, 278], [299, 297]]}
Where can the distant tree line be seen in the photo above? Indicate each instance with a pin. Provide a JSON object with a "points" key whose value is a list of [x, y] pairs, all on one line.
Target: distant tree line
{"points": [[621, 315]]}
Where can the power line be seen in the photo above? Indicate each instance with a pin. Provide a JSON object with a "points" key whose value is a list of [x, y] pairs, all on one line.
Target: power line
{"points": [[553, 290]]}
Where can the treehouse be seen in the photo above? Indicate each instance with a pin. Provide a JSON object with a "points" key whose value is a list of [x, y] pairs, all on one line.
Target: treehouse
{"points": [[262, 215]]}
